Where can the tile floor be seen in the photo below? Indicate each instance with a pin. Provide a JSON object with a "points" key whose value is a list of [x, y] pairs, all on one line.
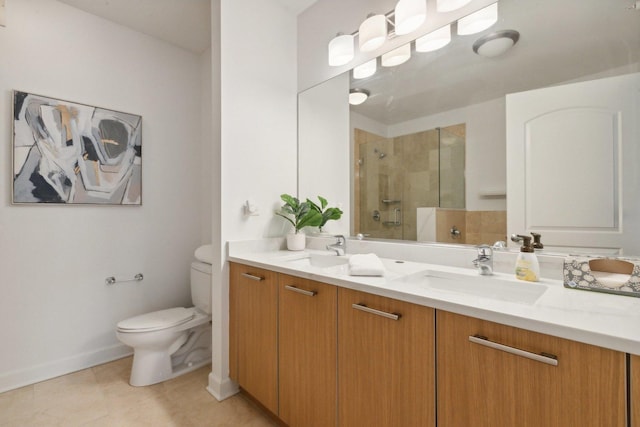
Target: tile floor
{"points": [[101, 397]]}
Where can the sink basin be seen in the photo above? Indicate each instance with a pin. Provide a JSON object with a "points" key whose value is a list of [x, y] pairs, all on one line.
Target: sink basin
{"points": [[496, 287], [319, 261]]}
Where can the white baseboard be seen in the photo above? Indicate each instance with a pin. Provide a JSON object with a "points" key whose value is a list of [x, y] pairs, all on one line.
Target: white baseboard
{"points": [[221, 389], [34, 374]]}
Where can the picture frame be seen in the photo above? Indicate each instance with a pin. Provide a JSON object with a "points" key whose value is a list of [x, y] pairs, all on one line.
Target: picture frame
{"points": [[75, 154]]}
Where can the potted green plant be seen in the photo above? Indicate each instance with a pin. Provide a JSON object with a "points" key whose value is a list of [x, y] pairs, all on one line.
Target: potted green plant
{"points": [[300, 215], [327, 213]]}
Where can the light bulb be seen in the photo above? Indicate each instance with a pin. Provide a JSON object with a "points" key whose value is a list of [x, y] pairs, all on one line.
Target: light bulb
{"points": [[341, 50], [372, 33], [365, 70], [409, 15], [434, 40], [478, 21], [397, 56]]}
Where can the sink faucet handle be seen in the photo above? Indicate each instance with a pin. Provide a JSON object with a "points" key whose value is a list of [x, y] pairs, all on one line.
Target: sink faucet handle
{"points": [[484, 262], [484, 251], [339, 246]]}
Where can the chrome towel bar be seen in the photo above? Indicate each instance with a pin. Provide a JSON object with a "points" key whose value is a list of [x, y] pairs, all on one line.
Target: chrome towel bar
{"points": [[112, 280]]}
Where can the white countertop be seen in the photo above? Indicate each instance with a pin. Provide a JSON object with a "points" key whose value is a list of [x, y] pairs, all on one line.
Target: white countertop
{"points": [[609, 321]]}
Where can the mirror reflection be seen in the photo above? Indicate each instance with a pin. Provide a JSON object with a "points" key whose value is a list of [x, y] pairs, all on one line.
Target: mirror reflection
{"points": [[400, 181], [455, 86]]}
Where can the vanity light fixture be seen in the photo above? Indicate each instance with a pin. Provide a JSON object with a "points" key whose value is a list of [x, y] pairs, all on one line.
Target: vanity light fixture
{"points": [[358, 96], [434, 40], [450, 5], [409, 15], [397, 56], [341, 50], [495, 44], [365, 70], [478, 21], [372, 33]]}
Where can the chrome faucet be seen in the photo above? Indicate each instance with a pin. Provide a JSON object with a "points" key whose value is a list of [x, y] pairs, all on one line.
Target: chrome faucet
{"points": [[340, 246], [484, 262]]}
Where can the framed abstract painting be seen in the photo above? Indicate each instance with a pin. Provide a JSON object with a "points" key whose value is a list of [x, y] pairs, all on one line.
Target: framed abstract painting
{"points": [[70, 153]]}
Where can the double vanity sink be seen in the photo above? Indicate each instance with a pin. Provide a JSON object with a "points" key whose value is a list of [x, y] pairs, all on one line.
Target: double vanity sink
{"points": [[608, 321], [434, 278]]}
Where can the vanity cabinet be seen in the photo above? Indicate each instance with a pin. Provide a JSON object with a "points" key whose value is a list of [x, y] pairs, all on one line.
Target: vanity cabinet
{"points": [[386, 365], [634, 388], [253, 332], [307, 352], [495, 375]]}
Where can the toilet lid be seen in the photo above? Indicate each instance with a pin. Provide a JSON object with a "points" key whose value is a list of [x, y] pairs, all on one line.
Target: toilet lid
{"points": [[157, 320]]}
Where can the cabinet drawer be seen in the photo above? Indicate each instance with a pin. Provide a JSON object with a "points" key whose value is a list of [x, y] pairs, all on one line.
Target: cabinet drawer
{"points": [[491, 374]]}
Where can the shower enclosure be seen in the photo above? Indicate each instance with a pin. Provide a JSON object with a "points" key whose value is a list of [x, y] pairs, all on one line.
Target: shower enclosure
{"points": [[396, 176]]}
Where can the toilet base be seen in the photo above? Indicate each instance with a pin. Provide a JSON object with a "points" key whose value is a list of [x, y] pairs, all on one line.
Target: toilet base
{"points": [[152, 367]]}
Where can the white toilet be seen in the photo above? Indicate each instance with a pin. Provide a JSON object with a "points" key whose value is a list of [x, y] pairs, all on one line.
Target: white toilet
{"points": [[172, 342]]}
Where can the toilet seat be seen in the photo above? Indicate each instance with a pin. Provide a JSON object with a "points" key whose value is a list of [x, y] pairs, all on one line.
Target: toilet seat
{"points": [[157, 320]]}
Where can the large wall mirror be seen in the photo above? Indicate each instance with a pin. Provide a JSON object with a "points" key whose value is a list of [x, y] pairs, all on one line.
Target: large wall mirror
{"points": [[425, 158]]}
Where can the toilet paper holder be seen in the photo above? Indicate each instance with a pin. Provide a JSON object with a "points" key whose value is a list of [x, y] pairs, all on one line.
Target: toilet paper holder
{"points": [[111, 280]]}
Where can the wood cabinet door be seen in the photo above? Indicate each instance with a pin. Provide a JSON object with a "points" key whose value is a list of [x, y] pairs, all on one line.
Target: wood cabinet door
{"points": [[386, 368], [254, 323], [307, 352], [500, 377], [634, 389]]}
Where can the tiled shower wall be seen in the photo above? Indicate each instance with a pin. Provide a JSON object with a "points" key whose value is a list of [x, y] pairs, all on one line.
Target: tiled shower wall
{"points": [[476, 227], [395, 176]]}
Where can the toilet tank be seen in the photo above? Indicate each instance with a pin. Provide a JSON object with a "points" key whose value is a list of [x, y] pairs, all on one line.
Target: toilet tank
{"points": [[201, 286]]}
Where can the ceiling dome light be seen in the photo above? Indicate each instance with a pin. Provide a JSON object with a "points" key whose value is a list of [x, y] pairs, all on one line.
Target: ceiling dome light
{"points": [[397, 56], [409, 15], [449, 5], [372, 33], [341, 50], [495, 44], [365, 70], [478, 21], [358, 96], [434, 40]]}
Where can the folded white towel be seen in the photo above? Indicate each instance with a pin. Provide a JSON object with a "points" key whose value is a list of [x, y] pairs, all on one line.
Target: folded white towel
{"points": [[205, 254], [365, 265]]}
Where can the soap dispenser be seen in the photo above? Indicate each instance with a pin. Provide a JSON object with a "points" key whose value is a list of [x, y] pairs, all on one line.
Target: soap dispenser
{"points": [[527, 267]]}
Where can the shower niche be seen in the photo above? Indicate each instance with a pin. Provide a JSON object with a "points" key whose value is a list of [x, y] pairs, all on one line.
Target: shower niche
{"points": [[397, 178]]}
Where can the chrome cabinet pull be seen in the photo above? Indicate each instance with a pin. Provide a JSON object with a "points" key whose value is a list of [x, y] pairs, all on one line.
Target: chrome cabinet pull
{"points": [[362, 307], [549, 359], [301, 291], [253, 277]]}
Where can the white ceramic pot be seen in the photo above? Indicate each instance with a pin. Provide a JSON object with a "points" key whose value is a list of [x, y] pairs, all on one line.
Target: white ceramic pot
{"points": [[296, 241]]}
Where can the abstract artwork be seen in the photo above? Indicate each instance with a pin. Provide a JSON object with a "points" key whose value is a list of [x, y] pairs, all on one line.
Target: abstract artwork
{"points": [[69, 153]]}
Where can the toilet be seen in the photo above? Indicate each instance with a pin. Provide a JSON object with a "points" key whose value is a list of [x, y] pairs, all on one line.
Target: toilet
{"points": [[172, 342]]}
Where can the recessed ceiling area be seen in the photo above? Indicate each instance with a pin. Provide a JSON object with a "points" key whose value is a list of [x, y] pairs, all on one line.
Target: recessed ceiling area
{"points": [[184, 23]]}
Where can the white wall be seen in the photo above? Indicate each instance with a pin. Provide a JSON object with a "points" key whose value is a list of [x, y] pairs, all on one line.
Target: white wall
{"points": [[57, 313], [257, 158], [324, 159], [208, 141]]}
